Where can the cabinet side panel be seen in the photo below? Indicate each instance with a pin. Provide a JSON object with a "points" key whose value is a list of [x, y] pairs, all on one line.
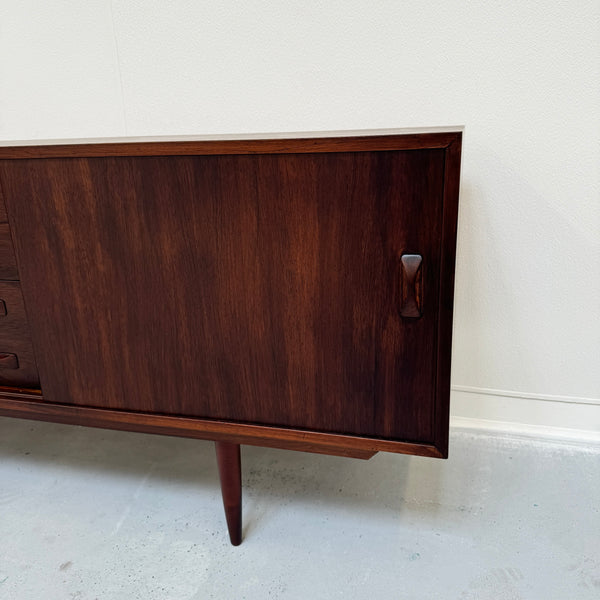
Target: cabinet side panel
{"points": [[446, 299]]}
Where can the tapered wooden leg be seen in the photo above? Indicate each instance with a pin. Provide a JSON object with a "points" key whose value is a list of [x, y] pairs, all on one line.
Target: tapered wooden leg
{"points": [[230, 474]]}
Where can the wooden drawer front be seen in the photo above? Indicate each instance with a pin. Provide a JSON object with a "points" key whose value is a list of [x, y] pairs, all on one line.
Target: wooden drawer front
{"points": [[17, 363], [8, 264]]}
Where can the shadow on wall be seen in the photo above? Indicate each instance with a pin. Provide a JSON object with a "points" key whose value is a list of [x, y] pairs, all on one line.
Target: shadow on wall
{"points": [[523, 286]]}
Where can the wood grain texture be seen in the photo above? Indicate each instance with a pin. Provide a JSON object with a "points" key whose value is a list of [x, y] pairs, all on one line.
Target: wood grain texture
{"points": [[3, 215], [246, 283], [446, 293], [15, 339], [8, 361], [28, 405], [258, 289], [350, 143], [8, 264]]}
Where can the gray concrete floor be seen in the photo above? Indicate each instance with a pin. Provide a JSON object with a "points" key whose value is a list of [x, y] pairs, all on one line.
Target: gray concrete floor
{"points": [[88, 513]]}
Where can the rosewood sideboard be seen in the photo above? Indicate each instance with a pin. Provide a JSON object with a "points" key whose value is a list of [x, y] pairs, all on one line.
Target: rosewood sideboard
{"points": [[288, 292]]}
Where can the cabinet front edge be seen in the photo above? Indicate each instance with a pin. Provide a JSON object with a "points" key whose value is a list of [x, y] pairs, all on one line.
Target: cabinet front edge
{"points": [[30, 406], [125, 147]]}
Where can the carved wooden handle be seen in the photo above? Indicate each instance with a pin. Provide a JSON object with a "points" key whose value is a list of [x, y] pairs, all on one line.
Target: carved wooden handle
{"points": [[8, 361], [411, 285]]}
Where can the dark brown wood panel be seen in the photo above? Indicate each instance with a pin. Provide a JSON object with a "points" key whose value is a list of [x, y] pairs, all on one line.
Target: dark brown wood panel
{"points": [[261, 289], [8, 265], [15, 340], [3, 217], [446, 293]]}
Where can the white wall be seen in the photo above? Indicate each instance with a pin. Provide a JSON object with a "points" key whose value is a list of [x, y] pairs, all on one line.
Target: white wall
{"points": [[523, 77]]}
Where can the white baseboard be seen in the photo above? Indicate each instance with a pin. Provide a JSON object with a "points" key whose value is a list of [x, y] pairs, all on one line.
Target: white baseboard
{"points": [[539, 416]]}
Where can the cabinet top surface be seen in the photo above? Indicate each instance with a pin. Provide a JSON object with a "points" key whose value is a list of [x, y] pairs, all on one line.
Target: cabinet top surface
{"points": [[250, 143]]}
